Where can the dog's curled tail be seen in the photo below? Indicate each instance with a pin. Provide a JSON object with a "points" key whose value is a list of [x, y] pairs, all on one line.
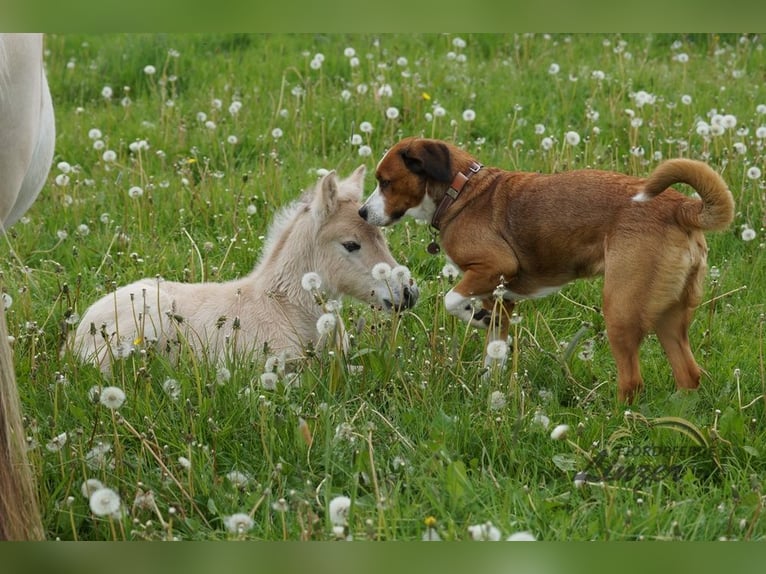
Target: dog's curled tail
{"points": [[716, 210]]}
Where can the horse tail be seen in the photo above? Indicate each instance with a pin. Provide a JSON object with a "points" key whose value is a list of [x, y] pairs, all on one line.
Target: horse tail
{"points": [[716, 210], [20, 517]]}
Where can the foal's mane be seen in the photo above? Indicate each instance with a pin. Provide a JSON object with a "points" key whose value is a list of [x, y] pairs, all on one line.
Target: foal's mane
{"points": [[283, 221]]}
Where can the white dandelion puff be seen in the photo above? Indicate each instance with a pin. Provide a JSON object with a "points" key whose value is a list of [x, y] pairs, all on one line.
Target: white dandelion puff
{"points": [[238, 523], [326, 324], [560, 432], [523, 536], [449, 271], [748, 233], [338, 510], [269, 381], [497, 350], [497, 401], [381, 271], [104, 502], [484, 532], [112, 397], [90, 486], [311, 281], [572, 138]]}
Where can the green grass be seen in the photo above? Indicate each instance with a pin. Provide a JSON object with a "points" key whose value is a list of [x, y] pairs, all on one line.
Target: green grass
{"points": [[413, 434]]}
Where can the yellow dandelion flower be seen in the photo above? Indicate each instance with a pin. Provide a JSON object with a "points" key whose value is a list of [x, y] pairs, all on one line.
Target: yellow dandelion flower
{"points": [[426, 96]]}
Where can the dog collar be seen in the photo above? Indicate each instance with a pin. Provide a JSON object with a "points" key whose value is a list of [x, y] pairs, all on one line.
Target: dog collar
{"points": [[454, 190]]}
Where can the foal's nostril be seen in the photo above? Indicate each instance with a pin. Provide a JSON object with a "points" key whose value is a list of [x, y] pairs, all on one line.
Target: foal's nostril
{"points": [[363, 212]]}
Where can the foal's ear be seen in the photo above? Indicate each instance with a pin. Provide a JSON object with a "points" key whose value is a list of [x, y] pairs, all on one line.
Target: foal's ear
{"points": [[326, 196], [353, 185]]}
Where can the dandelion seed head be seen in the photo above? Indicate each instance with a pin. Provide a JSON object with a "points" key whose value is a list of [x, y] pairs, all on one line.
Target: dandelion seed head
{"points": [[339, 508], [497, 350], [326, 324], [238, 523], [311, 281], [560, 432], [104, 502], [381, 271], [112, 397]]}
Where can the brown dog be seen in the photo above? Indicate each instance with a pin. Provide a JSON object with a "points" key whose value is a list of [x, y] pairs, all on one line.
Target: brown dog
{"points": [[532, 233]]}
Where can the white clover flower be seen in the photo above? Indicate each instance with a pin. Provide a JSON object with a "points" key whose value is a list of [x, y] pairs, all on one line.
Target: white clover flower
{"points": [[484, 532], [560, 432], [497, 350], [238, 523], [269, 381], [112, 397], [90, 486], [338, 510], [469, 115], [381, 271], [572, 138], [104, 502], [326, 324], [523, 536], [497, 401], [311, 281]]}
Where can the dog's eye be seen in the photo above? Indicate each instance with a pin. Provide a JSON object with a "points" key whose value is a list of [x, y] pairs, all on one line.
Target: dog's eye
{"points": [[384, 183], [351, 246]]}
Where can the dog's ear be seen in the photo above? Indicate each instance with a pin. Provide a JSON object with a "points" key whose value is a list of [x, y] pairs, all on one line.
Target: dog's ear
{"points": [[430, 158]]}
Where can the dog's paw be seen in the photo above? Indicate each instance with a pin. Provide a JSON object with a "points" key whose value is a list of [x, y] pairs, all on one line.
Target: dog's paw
{"points": [[480, 318]]}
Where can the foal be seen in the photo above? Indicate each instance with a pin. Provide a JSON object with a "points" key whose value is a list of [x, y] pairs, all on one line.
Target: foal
{"points": [[321, 232]]}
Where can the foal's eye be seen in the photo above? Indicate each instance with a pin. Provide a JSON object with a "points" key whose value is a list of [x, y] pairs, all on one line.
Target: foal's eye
{"points": [[351, 246]]}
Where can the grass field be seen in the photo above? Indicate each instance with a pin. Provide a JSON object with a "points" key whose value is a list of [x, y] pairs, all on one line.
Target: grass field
{"points": [[219, 131]]}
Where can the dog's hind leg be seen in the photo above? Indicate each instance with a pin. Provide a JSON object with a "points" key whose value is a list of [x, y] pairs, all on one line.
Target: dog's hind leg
{"points": [[673, 333]]}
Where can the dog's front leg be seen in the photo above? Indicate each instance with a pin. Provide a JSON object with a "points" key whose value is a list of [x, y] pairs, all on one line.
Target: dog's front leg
{"points": [[470, 300]]}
